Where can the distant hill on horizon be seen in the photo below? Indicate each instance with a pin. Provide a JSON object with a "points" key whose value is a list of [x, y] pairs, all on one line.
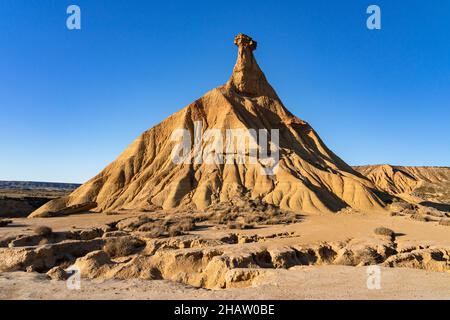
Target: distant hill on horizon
{"points": [[38, 185]]}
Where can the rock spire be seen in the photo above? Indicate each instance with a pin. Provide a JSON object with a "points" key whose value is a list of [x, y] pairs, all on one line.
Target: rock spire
{"points": [[247, 78]]}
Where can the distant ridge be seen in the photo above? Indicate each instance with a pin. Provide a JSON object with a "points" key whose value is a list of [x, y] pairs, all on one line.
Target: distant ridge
{"points": [[427, 183], [38, 185]]}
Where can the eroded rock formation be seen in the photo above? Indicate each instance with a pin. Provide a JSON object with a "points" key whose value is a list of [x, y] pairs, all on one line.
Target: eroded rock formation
{"points": [[310, 177]]}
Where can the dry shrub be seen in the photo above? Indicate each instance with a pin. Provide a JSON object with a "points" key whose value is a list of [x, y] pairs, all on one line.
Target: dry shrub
{"points": [[420, 217], [445, 222], [382, 231], [185, 224], [239, 225], [112, 213], [202, 216], [431, 212], [254, 211], [396, 214], [179, 227], [290, 218], [149, 226], [123, 246], [156, 232], [174, 231], [141, 221], [368, 257], [262, 218], [43, 231], [5, 222], [172, 226]]}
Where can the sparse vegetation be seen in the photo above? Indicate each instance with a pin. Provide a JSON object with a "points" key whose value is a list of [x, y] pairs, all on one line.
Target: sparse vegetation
{"points": [[445, 222], [174, 231], [236, 214], [150, 226], [112, 213], [178, 224], [154, 227], [436, 192], [431, 212], [383, 231], [396, 214], [262, 218], [155, 233], [176, 227], [5, 222], [239, 225], [185, 224], [123, 246], [43, 231], [420, 217], [202, 216], [143, 219], [252, 211]]}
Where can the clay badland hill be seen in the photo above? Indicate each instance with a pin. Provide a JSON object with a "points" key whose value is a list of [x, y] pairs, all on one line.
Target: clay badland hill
{"points": [[427, 185], [310, 178]]}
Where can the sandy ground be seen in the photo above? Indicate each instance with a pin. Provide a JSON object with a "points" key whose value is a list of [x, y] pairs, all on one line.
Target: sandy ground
{"points": [[300, 282], [313, 228], [326, 282]]}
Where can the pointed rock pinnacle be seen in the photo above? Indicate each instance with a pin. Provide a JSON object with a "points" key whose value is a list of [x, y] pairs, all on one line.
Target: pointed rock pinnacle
{"points": [[247, 78]]}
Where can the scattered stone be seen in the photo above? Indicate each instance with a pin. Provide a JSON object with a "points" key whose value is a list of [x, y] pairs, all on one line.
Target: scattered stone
{"points": [[90, 234], [94, 264], [57, 273]]}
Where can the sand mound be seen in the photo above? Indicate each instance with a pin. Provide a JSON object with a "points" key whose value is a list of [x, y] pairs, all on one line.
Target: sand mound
{"points": [[310, 178]]}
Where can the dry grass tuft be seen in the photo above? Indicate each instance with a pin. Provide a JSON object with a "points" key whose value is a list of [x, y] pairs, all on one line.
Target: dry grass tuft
{"points": [[175, 227], [123, 246], [239, 225], [154, 227], [420, 217], [396, 214], [174, 231], [43, 231], [156, 232], [445, 222], [382, 231]]}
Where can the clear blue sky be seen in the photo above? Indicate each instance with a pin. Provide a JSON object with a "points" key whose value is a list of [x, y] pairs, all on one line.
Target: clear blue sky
{"points": [[71, 101]]}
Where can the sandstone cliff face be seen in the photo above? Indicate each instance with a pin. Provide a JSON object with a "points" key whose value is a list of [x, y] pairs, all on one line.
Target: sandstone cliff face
{"points": [[310, 178]]}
